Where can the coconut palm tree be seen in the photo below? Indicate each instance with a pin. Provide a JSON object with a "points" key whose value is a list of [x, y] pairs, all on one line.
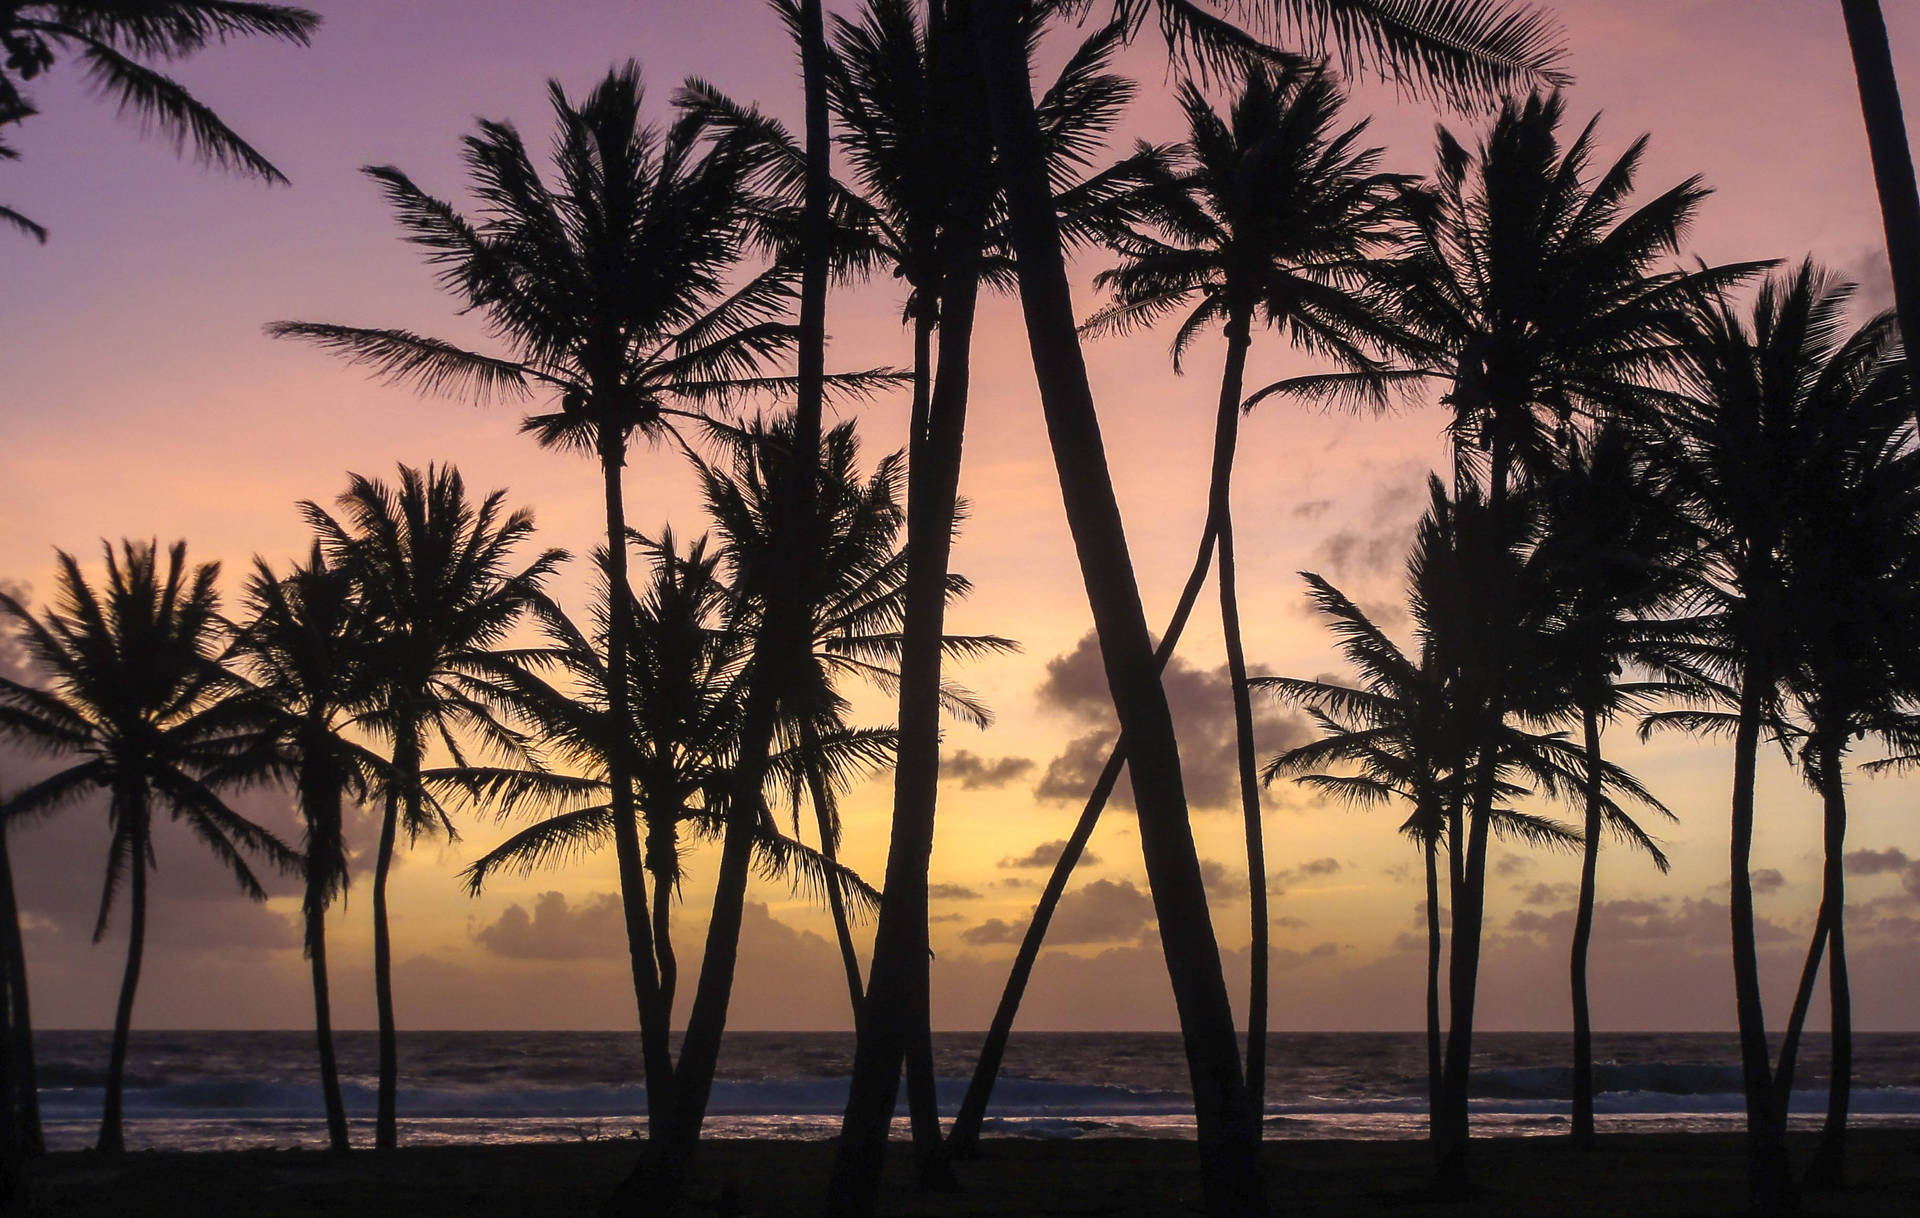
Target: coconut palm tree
{"points": [[135, 690], [1892, 158], [20, 1134], [305, 648], [112, 37], [1614, 547], [1272, 212], [1457, 49], [1760, 384], [435, 574]]}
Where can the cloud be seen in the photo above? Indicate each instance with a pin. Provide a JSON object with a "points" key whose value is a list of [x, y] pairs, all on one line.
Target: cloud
{"points": [[1510, 865], [1311, 509], [1201, 701], [1766, 879], [976, 773], [1046, 854], [1286, 878], [1873, 276], [952, 892], [1875, 862], [1105, 911], [1224, 884], [1547, 894], [1694, 923], [1375, 547], [553, 931]]}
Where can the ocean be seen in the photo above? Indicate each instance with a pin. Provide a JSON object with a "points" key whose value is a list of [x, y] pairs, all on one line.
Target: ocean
{"points": [[234, 1090]]}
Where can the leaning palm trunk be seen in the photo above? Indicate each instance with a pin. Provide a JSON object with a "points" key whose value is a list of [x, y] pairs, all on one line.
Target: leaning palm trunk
{"points": [[23, 1111], [112, 1141], [1228, 1130], [316, 918], [1769, 1179], [1583, 937], [1451, 1178], [822, 798], [1828, 1169], [781, 637], [964, 1137], [1892, 158], [653, 999], [1435, 1075], [1225, 440], [898, 1013]]}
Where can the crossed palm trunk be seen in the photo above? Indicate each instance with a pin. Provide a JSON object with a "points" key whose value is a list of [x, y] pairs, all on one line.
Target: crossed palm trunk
{"points": [[1828, 1168], [133, 811], [1228, 1130], [324, 799]]}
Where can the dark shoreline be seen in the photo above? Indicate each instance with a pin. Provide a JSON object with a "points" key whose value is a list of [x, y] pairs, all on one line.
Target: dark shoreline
{"points": [[1650, 1175]]}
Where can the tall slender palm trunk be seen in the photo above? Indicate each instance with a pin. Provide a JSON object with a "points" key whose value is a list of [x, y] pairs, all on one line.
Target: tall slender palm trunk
{"points": [[668, 964], [316, 916], [112, 1139], [1228, 1128], [1435, 1074], [1828, 1169], [1451, 1170], [822, 798], [1769, 1179], [1226, 436], [1892, 157], [23, 1110], [1583, 937], [655, 1003], [386, 1134]]}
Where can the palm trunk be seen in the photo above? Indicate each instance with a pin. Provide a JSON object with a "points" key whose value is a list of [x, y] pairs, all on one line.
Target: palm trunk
{"points": [[1828, 1169], [1435, 1075], [1769, 1179], [385, 1125], [1451, 1175], [1892, 158], [337, 1139], [112, 1140], [1228, 1130], [665, 842], [964, 1137], [1226, 436], [782, 637], [23, 1112], [836, 899], [649, 994], [1582, 938]]}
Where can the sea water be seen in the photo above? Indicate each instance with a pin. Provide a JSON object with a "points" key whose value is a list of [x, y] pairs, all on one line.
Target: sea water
{"points": [[230, 1090]]}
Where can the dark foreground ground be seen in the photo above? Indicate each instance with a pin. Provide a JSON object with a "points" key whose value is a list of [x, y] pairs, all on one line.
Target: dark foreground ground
{"points": [[1641, 1176]]}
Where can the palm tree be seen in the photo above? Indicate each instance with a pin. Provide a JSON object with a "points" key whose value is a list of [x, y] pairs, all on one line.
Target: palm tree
{"points": [[1760, 385], [1892, 158], [610, 295], [1459, 49], [1271, 211], [111, 37], [305, 646], [1614, 548], [135, 690], [686, 700], [434, 575], [20, 1131]]}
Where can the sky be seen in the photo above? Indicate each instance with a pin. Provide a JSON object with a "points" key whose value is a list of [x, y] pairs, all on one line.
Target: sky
{"points": [[141, 399]]}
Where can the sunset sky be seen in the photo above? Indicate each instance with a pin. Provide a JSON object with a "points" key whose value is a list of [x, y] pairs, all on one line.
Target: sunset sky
{"points": [[142, 400]]}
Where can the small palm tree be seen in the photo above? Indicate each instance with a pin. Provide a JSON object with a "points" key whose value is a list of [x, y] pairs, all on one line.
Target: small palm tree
{"points": [[435, 575], [305, 647], [135, 690], [111, 37], [1271, 212]]}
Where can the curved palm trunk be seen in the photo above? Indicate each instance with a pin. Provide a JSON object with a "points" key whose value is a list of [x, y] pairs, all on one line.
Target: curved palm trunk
{"points": [[666, 844], [1892, 157], [1229, 1133], [1828, 1169], [1582, 937], [1435, 1074], [1451, 1176], [1226, 438], [1769, 1179], [24, 1109], [386, 1135], [337, 1139], [650, 994], [964, 1137], [112, 1140]]}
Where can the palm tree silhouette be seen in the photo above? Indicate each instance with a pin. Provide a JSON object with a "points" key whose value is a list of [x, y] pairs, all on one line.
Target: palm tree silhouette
{"points": [[1455, 49], [434, 573], [135, 689], [1271, 211], [305, 648], [1737, 444], [1614, 547], [610, 295], [111, 38]]}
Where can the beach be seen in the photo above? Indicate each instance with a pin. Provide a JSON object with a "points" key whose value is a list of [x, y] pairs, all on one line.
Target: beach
{"points": [[1644, 1175]]}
